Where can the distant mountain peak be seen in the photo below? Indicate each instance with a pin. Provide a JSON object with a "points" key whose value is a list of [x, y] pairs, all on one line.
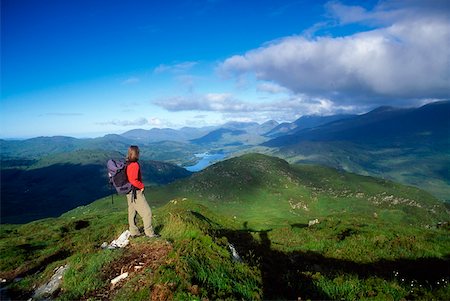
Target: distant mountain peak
{"points": [[382, 109]]}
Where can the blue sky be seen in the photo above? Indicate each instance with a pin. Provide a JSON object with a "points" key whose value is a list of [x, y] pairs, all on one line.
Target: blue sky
{"points": [[88, 68]]}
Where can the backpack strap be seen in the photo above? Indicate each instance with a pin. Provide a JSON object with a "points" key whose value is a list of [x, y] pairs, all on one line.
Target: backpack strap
{"points": [[133, 189]]}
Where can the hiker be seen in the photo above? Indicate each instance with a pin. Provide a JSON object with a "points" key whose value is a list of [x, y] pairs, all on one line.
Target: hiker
{"points": [[137, 204]]}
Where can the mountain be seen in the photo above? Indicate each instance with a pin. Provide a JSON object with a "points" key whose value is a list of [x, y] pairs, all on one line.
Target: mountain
{"points": [[156, 135], [186, 134], [36, 148], [236, 125], [249, 228], [251, 127], [236, 135], [410, 146], [384, 126], [267, 126], [304, 122], [217, 135], [57, 183], [177, 146]]}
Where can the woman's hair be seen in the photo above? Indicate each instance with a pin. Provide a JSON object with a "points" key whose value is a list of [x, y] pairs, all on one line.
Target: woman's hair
{"points": [[133, 153]]}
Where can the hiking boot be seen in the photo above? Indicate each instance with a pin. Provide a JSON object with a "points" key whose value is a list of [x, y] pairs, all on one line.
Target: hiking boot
{"points": [[153, 235]]}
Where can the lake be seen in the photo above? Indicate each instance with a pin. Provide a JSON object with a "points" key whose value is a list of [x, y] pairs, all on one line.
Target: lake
{"points": [[206, 160]]}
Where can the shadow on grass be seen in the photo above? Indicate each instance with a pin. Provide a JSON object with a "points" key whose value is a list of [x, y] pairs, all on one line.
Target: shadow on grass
{"points": [[284, 274]]}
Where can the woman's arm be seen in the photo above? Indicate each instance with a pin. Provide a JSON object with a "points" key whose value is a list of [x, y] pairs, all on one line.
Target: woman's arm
{"points": [[133, 176]]}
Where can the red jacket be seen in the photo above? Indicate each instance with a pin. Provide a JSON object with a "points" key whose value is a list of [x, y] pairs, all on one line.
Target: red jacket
{"points": [[134, 175]]}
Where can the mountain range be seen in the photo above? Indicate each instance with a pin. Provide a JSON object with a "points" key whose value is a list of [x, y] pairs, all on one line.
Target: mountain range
{"points": [[409, 146], [385, 126]]}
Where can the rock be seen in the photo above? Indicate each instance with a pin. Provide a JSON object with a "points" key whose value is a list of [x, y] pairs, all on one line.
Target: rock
{"points": [[313, 222], [442, 225], [234, 253], [53, 285], [118, 278], [120, 242], [194, 290]]}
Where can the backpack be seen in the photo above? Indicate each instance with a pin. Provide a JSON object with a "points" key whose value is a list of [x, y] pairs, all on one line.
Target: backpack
{"points": [[117, 172]]}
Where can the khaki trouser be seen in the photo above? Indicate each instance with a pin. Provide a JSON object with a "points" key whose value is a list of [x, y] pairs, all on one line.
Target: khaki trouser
{"points": [[141, 207]]}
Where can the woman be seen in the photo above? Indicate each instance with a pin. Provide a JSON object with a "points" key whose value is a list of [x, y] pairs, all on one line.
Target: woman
{"points": [[137, 204]]}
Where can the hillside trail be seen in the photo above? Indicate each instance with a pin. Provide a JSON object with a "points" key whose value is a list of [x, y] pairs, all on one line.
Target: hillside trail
{"points": [[140, 257]]}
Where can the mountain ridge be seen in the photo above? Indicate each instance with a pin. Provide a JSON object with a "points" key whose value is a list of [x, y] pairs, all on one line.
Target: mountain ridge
{"points": [[377, 124]]}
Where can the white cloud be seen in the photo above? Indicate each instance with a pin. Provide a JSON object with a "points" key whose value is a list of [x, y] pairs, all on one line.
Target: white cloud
{"points": [[219, 102], [137, 122], [131, 80], [154, 122], [175, 68], [287, 108], [271, 88], [404, 61], [388, 12]]}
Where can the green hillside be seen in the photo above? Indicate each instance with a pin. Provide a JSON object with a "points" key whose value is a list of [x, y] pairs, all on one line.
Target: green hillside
{"points": [[37, 148], [423, 166], [374, 240], [407, 145], [254, 186]]}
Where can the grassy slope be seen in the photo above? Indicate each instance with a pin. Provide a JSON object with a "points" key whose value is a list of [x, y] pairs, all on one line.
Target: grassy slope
{"points": [[350, 254], [252, 187], [422, 166]]}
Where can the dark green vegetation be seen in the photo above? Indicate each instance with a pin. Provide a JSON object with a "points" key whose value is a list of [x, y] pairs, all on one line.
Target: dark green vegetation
{"points": [[375, 240], [34, 189], [36, 148]]}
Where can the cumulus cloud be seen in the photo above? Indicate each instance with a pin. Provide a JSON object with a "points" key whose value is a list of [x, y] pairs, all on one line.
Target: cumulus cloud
{"points": [[388, 12], [220, 102], [404, 59], [287, 108], [271, 88]]}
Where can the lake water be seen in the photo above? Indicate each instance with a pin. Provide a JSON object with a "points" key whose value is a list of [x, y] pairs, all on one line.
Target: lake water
{"points": [[206, 160]]}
